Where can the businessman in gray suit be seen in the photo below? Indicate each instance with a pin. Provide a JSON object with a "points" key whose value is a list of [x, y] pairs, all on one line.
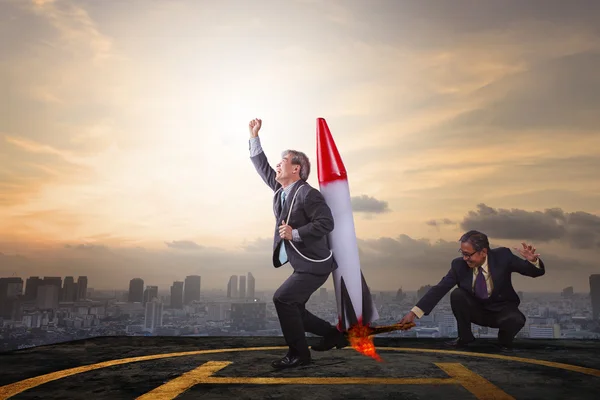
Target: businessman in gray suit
{"points": [[303, 220]]}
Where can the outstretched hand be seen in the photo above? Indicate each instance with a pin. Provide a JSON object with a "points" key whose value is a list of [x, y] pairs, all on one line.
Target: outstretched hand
{"points": [[408, 318], [528, 252], [254, 127]]}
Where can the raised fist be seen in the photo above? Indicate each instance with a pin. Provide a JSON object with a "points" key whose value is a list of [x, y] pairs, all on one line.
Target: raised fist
{"points": [[254, 127]]}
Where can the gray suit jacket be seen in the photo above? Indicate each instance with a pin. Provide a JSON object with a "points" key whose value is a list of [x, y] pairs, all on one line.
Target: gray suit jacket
{"points": [[310, 215]]}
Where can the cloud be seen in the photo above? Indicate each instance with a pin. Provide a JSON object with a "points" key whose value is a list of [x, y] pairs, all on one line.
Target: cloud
{"points": [[555, 95], [387, 264], [259, 245], [75, 26], [581, 230], [368, 204], [183, 245], [87, 247], [439, 222]]}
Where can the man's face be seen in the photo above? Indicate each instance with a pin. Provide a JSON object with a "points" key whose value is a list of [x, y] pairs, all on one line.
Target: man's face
{"points": [[285, 169], [474, 259]]}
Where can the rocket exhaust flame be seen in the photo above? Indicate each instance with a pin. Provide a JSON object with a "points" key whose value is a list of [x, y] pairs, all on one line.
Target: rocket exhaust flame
{"points": [[360, 337]]}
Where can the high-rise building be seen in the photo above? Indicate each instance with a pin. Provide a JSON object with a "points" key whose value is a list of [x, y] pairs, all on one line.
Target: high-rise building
{"points": [[422, 291], [48, 296], [31, 287], [136, 290], [595, 295], [192, 289], [153, 317], [400, 295], [250, 293], [177, 295], [150, 293], [82, 283], [567, 292], [11, 290], [217, 311], [242, 287], [232, 287], [69, 290]]}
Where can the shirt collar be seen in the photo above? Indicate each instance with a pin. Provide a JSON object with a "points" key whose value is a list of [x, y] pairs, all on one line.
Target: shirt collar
{"points": [[484, 266], [289, 188]]}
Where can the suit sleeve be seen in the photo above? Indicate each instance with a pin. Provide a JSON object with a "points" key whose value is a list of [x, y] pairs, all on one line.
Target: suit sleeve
{"points": [[525, 267], [261, 163], [319, 215], [435, 294]]}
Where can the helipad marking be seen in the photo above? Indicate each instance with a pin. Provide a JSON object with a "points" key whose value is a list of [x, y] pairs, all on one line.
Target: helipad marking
{"points": [[12, 389], [459, 375]]}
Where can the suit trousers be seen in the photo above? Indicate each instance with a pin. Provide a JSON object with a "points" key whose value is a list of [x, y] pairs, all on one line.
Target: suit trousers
{"points": [[290, 300], [468, 309]]}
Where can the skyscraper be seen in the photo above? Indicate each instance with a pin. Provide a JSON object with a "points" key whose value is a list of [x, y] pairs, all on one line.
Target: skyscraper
{"points": [[69, 289], [82, 283], [48, 296], [11, 290], [136, 290], [242, 287], [232, 287], [150, 293], [153, 316], [251, 286], [595, 295], [31, 287], [177, 295], [192, 289]]}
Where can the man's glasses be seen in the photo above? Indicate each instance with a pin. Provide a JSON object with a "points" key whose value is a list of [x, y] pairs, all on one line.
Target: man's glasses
{"points": [[466, 255]]}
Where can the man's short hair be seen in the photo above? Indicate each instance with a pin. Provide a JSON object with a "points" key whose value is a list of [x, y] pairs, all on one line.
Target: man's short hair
{"points": [[299, 158], [478, 240]]}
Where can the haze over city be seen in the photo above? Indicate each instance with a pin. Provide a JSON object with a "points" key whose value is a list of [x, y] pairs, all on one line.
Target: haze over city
{"points": [[124, 139]]}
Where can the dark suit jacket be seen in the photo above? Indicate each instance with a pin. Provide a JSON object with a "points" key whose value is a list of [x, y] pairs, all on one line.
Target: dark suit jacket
{"points": [[310, 215], [501, 263]]}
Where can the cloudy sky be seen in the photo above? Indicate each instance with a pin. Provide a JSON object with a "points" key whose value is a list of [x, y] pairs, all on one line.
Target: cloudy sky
{"points": [[124, 141]]}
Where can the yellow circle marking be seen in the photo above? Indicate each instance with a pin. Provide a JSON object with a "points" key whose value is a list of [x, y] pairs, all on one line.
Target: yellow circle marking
{"points": [[13, 389]]}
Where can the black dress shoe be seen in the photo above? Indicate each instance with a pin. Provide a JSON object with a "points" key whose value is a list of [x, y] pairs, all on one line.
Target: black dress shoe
{"points": [[335, 339], [290, 362], [459, 343]]}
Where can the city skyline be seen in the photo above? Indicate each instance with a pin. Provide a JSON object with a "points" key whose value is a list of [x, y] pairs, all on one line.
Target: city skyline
{"points": [[124, 143]]}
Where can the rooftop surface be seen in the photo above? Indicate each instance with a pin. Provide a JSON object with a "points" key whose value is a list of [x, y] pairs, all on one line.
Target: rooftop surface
{"points": [[239, 368]]}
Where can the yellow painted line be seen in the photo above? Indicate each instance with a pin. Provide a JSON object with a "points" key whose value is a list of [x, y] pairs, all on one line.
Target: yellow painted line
{"points": [[10, 390], [551, 364], [18, 387], [480, 387], [177, 386]]}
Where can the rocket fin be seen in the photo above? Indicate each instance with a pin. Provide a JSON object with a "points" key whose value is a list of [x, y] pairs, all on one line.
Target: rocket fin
{"points": [[370, 313], [348, 311]]}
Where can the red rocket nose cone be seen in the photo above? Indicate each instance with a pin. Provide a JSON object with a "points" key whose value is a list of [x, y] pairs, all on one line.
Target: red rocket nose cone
{"points": [[330, 166]]}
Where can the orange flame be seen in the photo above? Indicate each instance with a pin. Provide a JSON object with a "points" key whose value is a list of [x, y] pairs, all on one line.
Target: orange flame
{"points": [[360, 339]]}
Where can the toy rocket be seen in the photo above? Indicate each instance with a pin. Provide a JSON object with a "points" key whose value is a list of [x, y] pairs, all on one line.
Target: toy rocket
{"points": [[354, 303]]}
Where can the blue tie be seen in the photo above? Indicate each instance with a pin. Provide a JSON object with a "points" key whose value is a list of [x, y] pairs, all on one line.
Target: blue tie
{"points": [[282, 253], [480, 286]]}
